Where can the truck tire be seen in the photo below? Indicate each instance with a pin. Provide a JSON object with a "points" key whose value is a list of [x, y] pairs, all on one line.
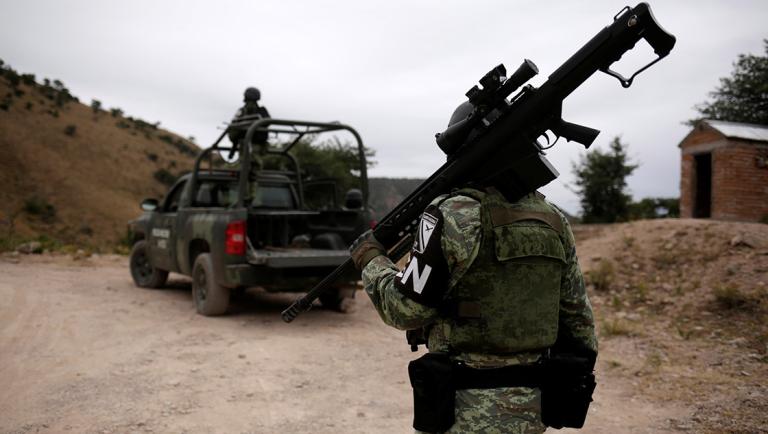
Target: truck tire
{"points": [[335, 299], [210, 298], [143, 273]]}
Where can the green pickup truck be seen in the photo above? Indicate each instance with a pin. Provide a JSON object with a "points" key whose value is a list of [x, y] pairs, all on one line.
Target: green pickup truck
{"points": [[234, 226]]}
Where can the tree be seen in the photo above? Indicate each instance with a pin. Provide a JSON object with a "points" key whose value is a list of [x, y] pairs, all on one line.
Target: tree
{"points": [[742, 97], [654, 208], [96, 106], [601, 180], [327, 160]]}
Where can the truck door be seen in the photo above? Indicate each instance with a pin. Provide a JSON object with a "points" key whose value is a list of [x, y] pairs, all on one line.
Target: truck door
{"points": [[162, 237]]}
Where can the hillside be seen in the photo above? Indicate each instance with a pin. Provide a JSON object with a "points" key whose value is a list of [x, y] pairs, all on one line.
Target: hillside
{"points": [[386, 193], [72, 173]]}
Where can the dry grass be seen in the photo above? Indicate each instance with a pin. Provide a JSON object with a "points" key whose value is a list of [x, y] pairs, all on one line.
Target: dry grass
{"points": [[616, 327], [602, 276]]}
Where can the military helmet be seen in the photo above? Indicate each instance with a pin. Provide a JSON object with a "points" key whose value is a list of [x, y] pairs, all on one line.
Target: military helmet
{"points": [[252, 95], [459, 127], [462, 112], [353, 199]]}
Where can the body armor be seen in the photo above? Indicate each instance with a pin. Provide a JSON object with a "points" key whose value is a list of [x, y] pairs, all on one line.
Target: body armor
{"points": [[508, 300]]}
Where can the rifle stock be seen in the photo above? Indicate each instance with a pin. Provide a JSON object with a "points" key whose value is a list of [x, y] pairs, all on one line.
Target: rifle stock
{"points": [[501, 134]]}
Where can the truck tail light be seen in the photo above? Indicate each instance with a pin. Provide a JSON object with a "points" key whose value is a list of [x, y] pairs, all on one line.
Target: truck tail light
{"points": [[372, 223], [234, 241]]}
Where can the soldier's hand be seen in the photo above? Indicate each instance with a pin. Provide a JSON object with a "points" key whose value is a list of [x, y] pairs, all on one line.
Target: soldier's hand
{"points": [[365, 248]]}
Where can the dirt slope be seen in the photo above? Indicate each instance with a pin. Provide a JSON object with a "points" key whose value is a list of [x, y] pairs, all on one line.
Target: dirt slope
{"points": [[681, 308], [73, 174]]}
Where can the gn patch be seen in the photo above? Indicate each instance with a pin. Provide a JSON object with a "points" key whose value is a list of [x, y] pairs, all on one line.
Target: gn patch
{"points": [[425, 277]]}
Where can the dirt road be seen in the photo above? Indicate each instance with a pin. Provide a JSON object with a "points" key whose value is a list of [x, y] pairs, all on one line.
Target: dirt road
{"points": [[83, 350]]}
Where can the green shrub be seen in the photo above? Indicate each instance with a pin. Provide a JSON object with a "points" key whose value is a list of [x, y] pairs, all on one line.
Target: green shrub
{"points": [[165, 177], [654, 208], [85, 229], [142, 124], [12, 76], [49, 243], [179, 144], [730, 297], [36, 206], [127, 239], [28, 79]]}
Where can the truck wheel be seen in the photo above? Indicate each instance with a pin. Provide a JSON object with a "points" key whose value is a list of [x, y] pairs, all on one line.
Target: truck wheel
{"points": [[142, 271], [335, 299], [210, 297]]}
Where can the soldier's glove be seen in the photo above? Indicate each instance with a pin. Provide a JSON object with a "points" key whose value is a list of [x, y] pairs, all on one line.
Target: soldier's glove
{"points": [[365, 248]]}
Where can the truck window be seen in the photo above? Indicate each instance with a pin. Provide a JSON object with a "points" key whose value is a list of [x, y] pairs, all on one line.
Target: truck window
{"points": [[269, 196], [216, 194], [174, 197]]}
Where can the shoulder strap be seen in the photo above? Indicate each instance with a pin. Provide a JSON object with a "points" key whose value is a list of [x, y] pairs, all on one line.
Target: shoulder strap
{"points": [[474, 193], [505, 216], [501, 215]]}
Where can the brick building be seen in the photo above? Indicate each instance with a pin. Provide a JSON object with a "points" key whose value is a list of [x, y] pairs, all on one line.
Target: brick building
{"points": [[724, 172]]}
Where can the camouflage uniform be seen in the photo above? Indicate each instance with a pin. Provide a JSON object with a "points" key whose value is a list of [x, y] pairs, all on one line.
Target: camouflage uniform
{"points": [[259, 141], [500, 410]]}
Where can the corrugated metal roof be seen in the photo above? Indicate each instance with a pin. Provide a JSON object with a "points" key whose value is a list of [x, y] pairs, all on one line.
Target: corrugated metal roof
{"points": [[741, 131]]}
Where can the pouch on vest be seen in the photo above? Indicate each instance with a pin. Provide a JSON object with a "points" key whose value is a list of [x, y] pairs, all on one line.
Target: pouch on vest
{"points": [[434, 392], [567, 389]]}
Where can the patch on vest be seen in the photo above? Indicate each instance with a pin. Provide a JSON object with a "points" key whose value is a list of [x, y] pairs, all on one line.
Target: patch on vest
{"points": [[425, 277]]}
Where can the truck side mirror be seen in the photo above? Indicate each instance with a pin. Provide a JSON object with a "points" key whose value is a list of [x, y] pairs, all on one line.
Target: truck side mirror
{"points": [[149, 204]]}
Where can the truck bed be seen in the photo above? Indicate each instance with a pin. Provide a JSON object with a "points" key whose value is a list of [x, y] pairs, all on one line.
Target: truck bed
{"points": [[295, 257]]}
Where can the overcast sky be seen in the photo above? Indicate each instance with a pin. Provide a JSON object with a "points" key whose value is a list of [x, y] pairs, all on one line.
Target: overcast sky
{"points": [[394, 70]]}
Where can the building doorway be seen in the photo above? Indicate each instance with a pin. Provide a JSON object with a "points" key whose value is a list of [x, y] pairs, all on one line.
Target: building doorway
{"points": [[703, 196]]}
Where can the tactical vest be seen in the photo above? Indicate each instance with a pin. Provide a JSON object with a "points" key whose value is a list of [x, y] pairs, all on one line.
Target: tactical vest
{"points": [[508, 300]]}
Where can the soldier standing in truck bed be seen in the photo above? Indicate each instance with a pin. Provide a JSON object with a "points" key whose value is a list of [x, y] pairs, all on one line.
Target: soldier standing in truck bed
{"points": [[251, 110], [251, 107]]}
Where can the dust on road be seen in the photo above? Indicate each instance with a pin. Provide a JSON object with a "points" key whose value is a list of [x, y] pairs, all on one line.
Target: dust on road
{"points": [[83, 350]]}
